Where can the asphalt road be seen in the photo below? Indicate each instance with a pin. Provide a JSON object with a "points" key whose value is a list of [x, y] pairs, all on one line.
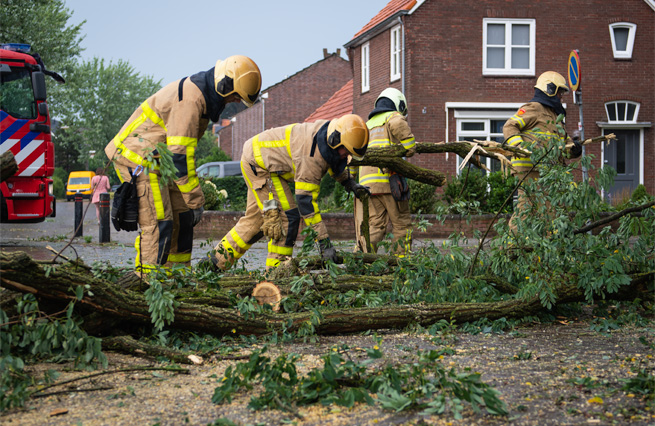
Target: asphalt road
{"points": [[34, 238]]}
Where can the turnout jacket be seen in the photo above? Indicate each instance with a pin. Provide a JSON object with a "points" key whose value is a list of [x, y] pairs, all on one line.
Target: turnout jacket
{"points": [[296, 153], [176, 115], [532, 121], [385, 129]]}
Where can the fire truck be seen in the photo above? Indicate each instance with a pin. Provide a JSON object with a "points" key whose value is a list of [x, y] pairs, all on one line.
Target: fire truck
{"points": [[25, 131]]}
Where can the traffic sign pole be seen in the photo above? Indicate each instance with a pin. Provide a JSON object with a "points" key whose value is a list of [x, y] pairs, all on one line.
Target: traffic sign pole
{"points": [[574, 84]]}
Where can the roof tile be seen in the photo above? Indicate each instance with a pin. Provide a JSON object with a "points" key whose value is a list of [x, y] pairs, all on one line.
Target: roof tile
{"points": [[392, 7], [339, 104]]}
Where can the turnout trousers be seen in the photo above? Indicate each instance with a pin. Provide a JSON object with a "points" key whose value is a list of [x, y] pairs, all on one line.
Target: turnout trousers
{"points": [[165, 222], [383, 208], [247, 231]]}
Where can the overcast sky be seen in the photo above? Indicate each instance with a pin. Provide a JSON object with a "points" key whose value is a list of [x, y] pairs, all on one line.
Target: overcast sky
{"points": [[170, 39]]}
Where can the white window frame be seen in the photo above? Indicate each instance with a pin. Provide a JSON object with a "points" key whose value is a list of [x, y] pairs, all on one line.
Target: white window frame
{"points": [[395, 54], [615, 104], [632, 30], [484, 117], [366, 68], [507, 70]]}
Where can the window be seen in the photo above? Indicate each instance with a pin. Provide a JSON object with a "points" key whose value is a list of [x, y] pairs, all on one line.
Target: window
{"points": [[481, 129], [16, 95], [622, 111], [365, 68], [509, 47], [396, 50], [623, 39]]}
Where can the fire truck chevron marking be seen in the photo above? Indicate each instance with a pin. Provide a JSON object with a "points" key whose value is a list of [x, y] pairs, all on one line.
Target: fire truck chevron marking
{"points": [[35, 167]]}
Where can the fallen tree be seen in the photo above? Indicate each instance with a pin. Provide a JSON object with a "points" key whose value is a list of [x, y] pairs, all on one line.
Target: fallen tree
{"points": [[125, 307]]}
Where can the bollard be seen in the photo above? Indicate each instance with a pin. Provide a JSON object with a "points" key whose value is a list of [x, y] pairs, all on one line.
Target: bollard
{"points": [[104, 229], [79, 216]]}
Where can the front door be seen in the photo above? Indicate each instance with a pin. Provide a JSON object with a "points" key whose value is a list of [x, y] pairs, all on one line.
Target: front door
{"points": [[623, 155]]}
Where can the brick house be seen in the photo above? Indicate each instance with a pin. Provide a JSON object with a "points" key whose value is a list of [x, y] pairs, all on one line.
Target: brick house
{"points": [[286, 102], [465, 67]]}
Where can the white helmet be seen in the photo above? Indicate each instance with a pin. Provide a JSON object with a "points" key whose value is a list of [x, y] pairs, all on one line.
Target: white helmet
{"points": [[395, 96]]}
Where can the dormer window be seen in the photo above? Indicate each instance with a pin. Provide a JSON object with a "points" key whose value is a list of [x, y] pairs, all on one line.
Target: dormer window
{"points": [[622, 111], [623, 39]]}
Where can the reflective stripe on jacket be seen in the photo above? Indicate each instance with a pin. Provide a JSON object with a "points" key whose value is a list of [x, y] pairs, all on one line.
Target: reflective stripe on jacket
{"points": [[164, 118], [533, 123], [288, 153], [385, 129]]}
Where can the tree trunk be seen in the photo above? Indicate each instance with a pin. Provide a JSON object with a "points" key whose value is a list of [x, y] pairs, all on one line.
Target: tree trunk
{"points": [[8, 166], [18, 272]]}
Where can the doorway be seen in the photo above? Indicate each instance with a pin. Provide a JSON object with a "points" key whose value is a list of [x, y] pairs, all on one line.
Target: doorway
{"points": [[622, 154]]}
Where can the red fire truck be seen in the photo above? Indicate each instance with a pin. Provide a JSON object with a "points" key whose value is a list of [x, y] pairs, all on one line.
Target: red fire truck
{"points": [[25, 131]]}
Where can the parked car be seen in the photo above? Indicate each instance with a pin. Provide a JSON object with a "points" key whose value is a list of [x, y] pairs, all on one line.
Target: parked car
{"points": [[220, 169], [79, 182]]}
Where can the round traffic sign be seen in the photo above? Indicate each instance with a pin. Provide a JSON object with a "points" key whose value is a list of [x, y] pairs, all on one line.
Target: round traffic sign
{"points": [[574, 70]]}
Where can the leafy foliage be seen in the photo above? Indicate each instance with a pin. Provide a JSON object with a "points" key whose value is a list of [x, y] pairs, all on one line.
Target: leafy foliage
{"points": [[94, 104], [33, 335], [237, 192], [476, 192], [422, 197], [344, 380]]}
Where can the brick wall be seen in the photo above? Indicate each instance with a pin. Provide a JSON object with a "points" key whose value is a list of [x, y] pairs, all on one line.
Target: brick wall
{"points": [[341, 226], [443, 62], [290, 101]]}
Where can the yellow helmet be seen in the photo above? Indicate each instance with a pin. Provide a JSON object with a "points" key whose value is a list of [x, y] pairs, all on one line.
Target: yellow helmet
{"points": [[395, 96], [349, 131], [238, 74], [550, 82]]}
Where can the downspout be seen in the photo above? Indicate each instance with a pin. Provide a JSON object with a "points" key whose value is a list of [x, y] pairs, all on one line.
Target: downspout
{"points": [[402, 32]]}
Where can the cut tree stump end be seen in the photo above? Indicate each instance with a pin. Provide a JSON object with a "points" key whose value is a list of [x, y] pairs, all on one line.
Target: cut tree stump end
{"points": [[267, 292]]}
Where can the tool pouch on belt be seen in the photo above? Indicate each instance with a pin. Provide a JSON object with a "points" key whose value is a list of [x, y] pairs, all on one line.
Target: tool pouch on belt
{"points": [[125, 208], [399, 187]]}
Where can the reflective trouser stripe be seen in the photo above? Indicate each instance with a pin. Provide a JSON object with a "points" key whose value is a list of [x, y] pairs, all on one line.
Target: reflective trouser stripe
{"points": [[314, 189], [272, 263], [156, 195], [277, 249], [279, 190], [179, 257], [145, 267]]}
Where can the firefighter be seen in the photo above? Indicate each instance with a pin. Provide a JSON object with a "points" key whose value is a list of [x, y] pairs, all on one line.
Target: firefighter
{"points": [[300, 153], [389, 201], [178, 116], [535, 123]]}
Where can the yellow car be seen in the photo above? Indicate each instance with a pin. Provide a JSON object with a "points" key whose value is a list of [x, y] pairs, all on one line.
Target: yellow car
{"points": [[79, 182]]}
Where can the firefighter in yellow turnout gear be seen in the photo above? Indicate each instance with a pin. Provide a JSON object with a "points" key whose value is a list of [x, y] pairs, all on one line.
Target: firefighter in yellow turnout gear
{"points": [[532, 125], [388, 126], [178, 116], [300, 153]]}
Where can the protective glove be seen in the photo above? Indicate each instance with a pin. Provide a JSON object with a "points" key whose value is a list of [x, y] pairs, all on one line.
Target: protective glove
{"points": [[356, 188], [272, 226], [197, 215], [328, 252], [576, 150], [410, 152]]}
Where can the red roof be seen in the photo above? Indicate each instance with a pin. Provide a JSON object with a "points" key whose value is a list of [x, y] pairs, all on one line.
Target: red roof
{"points": [[392, 7], [339, 104]]}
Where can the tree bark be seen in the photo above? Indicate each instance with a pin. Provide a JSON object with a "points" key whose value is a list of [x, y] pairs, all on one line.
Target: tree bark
{"points": [[8, 166], [18, 272]]}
